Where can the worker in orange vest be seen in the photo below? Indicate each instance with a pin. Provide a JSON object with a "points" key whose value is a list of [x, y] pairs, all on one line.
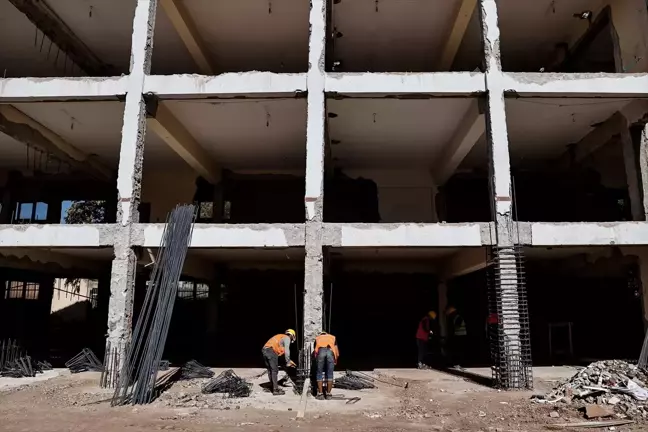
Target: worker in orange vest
{"points": [[326, 356], [278, 346]]}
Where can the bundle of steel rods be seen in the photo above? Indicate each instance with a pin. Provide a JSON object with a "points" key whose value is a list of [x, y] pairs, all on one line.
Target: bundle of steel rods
{"points": [[9, 352], [139, 371], [85, 361], [19, 368], [192, 369], [229, 383], [351, 381]]}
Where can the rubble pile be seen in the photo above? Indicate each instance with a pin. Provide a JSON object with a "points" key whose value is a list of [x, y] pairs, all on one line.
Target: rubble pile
{"points": [[612, 383]]}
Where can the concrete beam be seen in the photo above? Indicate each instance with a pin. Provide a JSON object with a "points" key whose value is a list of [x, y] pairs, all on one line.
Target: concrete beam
{"points": [[61, 89], [251, 84], [25, 129], [166, 126], [589, 234], [227, 236], [470, 130], [46, 20], [576, 84], [454, 39], [405, 235], [466, 261], [94, 235], [432, 84], [187, 31]]}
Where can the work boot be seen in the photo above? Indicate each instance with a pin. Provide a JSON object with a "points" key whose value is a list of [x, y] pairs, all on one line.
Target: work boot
{"points": [[329, 388], [320, 391], [278, 392]]}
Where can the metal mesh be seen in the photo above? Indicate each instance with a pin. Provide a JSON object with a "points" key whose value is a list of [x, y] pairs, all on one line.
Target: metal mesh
{"points": [[508, 328]]}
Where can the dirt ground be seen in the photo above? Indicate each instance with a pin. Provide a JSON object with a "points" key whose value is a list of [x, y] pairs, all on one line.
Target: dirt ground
{"points": [[433, 402]]}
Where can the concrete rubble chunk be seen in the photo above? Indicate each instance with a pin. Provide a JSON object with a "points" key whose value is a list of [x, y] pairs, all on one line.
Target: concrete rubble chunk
{"points": [[597, 411]]}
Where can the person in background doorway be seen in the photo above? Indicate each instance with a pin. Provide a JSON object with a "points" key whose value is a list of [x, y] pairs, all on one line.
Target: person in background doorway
{"points": [[457, 336], [326, 356], [426, 338], [278, 346]]}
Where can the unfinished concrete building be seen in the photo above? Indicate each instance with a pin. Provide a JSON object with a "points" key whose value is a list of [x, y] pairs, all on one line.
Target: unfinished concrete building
{"points": [[356, 164]]}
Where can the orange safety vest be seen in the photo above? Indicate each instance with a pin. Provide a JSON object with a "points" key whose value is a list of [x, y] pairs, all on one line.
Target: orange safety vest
{"points": [[276, 345], [327, 341]]}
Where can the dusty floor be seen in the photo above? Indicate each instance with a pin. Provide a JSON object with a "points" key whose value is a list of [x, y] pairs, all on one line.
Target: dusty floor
{"points": [[433, 401]]}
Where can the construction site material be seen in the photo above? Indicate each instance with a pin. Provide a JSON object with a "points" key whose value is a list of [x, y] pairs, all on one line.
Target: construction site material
{"points": [[591, 425], [230, 384], [643, 357], [164, 365], [112, 362], [192, 370], [137, 377], [85, 361], [615, 384], [9, 352], [351, 381], [406, 385], [510, 335], [303, 370]]}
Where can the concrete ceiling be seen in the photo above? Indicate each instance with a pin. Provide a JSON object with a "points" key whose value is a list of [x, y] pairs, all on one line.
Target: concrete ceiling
{"points": [[374, 133], [104, 28], [543, 128], [391, 253], [269, 35], [393, 35], [250, 255], [248, 134]]}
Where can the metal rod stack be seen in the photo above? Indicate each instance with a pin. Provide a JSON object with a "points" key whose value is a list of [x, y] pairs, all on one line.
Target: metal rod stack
{"points": [[352, 381], [112, 360], [139, 372], [229, 383], [15, 363], [192, 370], [85, 361], [510, 339], [10, 351]]}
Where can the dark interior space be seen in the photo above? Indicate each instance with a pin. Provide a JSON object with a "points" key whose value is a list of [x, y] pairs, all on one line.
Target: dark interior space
{"points": [[58, 198], [227, 322], [374, 316], [464, 198], [350, 200], [597, 299], [26, 314], [575, 195]]}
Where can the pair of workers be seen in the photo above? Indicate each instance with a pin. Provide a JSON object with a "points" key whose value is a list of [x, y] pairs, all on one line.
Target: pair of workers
{"points": [[326, 354], [430, 343]]}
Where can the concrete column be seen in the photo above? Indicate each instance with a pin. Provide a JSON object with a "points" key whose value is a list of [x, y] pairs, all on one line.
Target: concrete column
{"points": [[129, 178], [643, 165], [442, 292], [632, 174], [497, 134], [314, 197]]}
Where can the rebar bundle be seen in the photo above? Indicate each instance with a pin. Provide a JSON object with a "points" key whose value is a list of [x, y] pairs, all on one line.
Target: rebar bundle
{"points": [[19, 368], [351, 381], [85, 361], [9, 352], [303, 370], [112, 360], [509, 335], [229, 383], [192, 370], [138, 374]]}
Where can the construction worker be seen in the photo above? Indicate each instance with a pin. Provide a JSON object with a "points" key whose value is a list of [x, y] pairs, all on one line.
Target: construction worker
{"points": [[426, 337], [457, 335], [326, 355], [278, 346]]}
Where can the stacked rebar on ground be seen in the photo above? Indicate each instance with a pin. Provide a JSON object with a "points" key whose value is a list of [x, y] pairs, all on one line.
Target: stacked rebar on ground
{"points": [[15, 363], [139, 371], [192, 370], [85, 361], [228, 383], [352, 381]]}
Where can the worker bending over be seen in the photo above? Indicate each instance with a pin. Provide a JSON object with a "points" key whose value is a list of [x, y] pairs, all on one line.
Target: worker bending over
{"points": [[278, 346], [326, 356]]}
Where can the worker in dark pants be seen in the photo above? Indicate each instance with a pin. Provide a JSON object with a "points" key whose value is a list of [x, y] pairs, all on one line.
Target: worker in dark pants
{"points": [[458, 337], [326, 356], [278, 346], [427, 339]]}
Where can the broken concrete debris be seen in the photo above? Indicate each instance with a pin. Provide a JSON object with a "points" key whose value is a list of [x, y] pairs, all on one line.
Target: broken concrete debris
{"points": [[603, 389]]}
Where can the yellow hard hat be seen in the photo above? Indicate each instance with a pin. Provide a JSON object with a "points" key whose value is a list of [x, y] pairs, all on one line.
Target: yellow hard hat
{"points": [[451, 310], [291, 333], [432, 314]]}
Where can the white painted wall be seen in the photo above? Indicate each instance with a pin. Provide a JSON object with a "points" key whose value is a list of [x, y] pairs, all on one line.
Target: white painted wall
{"points": [[403, 195]]}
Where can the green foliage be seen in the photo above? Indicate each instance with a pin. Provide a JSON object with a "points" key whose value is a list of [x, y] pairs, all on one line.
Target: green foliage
{"points": [[81, 212]]}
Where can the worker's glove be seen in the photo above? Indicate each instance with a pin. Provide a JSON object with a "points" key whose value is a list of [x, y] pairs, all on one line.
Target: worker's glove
{"points": [[292, 364]]}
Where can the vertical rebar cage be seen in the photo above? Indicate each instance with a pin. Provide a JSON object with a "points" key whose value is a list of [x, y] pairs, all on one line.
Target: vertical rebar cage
{"points": [[508, 325]]}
